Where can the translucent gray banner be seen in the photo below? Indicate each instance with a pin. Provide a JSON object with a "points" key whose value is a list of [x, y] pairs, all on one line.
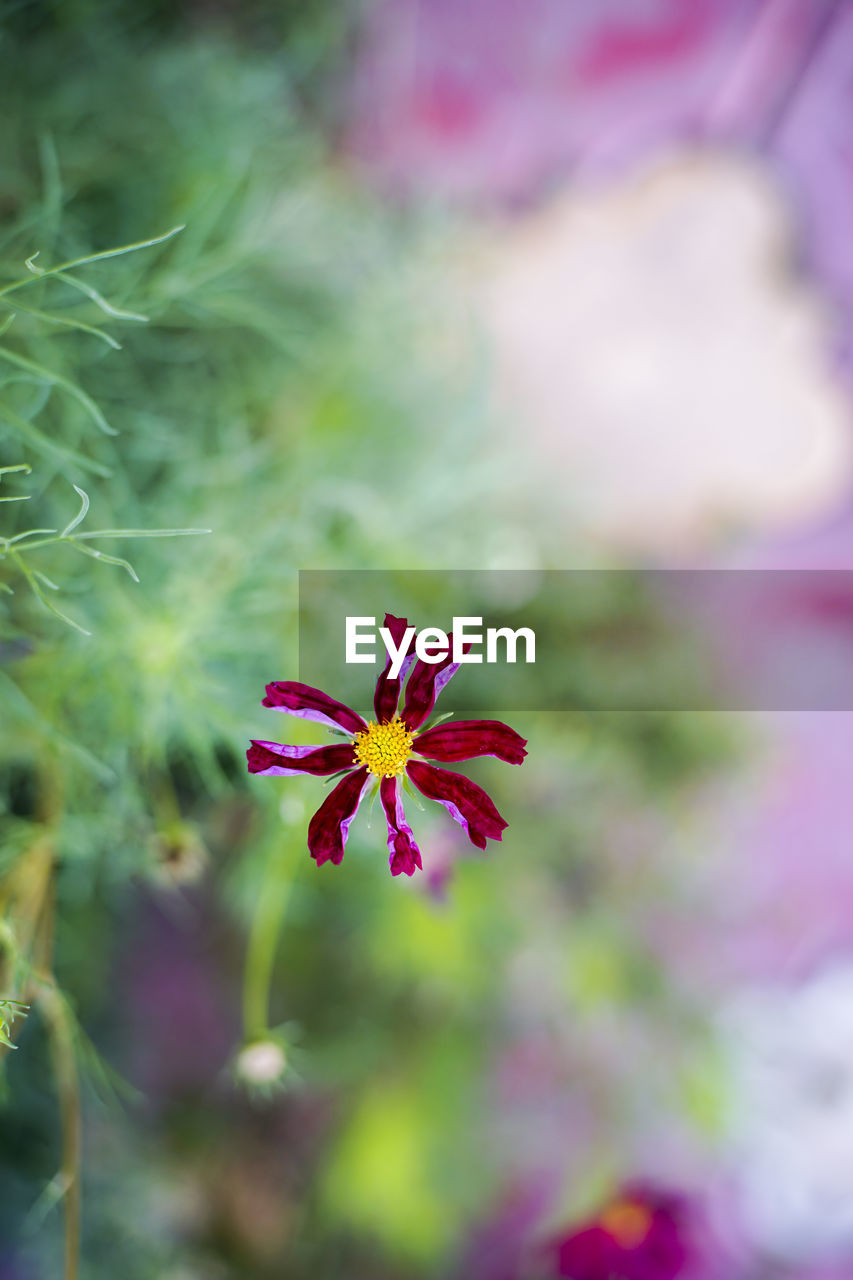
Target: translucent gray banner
{"points": [[606, 640]]}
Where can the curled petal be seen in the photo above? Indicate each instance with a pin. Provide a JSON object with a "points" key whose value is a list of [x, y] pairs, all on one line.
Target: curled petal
{"points": [[311, 704], [404, 854], [467, 804], [468, 738], [282, 760], [426, 683], [388, 690], [328, 829]]}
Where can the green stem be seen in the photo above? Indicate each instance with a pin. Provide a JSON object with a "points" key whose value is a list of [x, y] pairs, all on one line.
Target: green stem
{"points": [[68, 1086], [262, 946]]}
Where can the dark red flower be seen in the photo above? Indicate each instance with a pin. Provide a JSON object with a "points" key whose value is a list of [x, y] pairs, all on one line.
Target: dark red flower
{"points": [[640, 1235], [389, 748]]}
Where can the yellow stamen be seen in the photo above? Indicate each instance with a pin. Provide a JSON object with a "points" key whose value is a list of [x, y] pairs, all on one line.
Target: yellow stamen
{"points": [[384, 748], [628, 1222]]}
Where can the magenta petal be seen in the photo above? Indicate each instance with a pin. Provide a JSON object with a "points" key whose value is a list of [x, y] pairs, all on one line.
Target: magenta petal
{"points": [[328, 829], [405, 856], [426, 683], [595, 1249], [387, 690], [588, 1254], [311, 704], [282, 760], [465, 739], [467, 804]]}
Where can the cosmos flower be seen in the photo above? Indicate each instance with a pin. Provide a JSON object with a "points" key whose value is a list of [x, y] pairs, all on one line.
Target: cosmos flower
{"points": [[391, 750], [637, 1236]]}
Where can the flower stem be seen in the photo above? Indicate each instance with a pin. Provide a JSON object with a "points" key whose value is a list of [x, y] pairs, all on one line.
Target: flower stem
{"points": [[68, 1086], [264, 933]]}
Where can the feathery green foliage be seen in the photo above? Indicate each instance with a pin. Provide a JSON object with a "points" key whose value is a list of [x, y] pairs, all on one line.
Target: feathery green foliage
{"points": [[9, 1011]]}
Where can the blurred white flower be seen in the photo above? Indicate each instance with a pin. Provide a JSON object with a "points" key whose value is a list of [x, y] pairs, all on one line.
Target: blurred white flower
{"points": [[656, 346], [792, 1144]]}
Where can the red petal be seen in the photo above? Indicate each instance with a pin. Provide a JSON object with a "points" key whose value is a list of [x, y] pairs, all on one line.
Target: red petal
{"points": [[311, 704], [467, 804], [328, 829], [465, 739], [279, 759], [405, 856], [426, 683], [387, 690]]}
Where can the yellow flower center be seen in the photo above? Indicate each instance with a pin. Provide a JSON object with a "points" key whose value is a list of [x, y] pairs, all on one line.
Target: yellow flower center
{"points": [[383, 748], [627, 1222]]}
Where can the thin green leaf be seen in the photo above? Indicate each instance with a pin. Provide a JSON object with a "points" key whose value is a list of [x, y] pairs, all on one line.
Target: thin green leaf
{"points": [[114, 253], [57, 379], [48, 604], [84, 507], [99, 300], [140, 533], [82, 262], [43, 1205], [102, 555], [30, 533], [374, 792], [4, 324], [410, 791], [18, 466], [51, 177], [50, 447], [430, 724], [65, 323], [340, 773]]}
